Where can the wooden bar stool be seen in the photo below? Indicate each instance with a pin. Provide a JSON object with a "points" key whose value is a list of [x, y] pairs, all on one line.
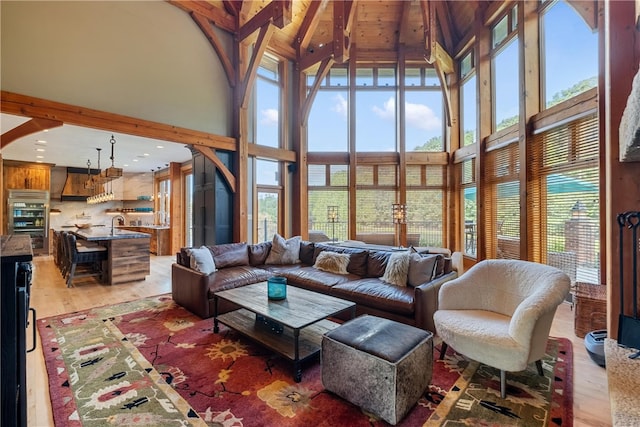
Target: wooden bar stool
{"points": [[88, 258]]}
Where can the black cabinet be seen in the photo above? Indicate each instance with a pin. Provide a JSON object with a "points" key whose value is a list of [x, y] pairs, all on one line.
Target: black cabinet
{"points": [[16, 255], [212, 201]]}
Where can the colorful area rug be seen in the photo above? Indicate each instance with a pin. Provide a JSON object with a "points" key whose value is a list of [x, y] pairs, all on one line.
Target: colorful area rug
{"points": [[152, 363]]}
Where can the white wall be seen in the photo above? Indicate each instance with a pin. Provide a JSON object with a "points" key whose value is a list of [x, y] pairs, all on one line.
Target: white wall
{"points": [[144, 59]]}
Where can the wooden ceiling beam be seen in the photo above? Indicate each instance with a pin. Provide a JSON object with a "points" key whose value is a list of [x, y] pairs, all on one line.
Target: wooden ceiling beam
{"points": [[403, 25], [27, 128], [315, 55], [308, 26], [210, 154], [23, 105], [587, 10], [278, 12], [233, 7], [205, 26], [217, 15], [260, 47]]}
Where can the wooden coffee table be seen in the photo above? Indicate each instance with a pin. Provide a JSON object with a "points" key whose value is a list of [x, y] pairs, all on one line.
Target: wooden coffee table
{"points": [[292, 327]]}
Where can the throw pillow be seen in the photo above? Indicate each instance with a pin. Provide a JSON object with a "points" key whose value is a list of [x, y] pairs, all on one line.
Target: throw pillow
{"points": [[284, 251], [397, 269], [333, 262], [421, 268], [201, 260]]}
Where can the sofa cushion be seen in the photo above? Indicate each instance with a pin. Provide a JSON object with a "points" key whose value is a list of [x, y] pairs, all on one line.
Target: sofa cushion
{"points": [[377, 263], [230, 254], [377, 294], [310, 278], [233, 277], [332, 262], [307, 250], [284, 251], [201, 260], [397, 269], [258, 253], [357, 257], [421, 268]]}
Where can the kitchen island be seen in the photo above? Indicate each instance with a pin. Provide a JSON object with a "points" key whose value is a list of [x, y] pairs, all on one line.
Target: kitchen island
{"points": [[128, 253]]}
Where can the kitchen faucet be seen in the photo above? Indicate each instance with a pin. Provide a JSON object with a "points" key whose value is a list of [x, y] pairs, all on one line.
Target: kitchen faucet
{"points": [[118, 217]]}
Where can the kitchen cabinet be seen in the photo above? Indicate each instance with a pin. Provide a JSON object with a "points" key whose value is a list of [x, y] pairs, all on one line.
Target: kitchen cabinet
{"points": [[26, 176], [159, 237]]}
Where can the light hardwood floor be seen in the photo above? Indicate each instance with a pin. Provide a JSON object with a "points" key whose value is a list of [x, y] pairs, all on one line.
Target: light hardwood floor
{"points": [[50, 297]]}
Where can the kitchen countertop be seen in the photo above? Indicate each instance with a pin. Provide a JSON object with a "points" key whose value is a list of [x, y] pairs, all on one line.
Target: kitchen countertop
{"points": [[155, 227], [104, 233]]}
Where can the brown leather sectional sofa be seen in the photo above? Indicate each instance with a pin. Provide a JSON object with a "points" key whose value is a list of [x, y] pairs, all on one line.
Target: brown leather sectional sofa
{"points": [[240, 264]]}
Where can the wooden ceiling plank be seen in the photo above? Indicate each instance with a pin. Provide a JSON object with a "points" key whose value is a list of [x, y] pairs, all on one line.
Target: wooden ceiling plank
{"points": [[27, 128], [278, 12], [205, 26], [260, 47], [444, 19], [210, 154], [216, 15], [23, 105]]}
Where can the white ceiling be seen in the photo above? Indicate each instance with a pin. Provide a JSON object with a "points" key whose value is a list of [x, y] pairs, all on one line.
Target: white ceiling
{"points": [[69, 145]]}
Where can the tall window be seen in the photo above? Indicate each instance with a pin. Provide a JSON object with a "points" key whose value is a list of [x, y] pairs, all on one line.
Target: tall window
{"points": [[469, 206], [505, 71], [425, 205], [268, 199], [376, 112], [567, 43], [566, 184], [328, 127], [267, 99], [375, 195], [468, 101], [424, 112]]}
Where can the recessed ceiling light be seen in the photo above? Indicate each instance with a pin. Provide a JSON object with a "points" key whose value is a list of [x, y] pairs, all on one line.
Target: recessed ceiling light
{"points": [[39, 157], [41, 141], [159, 146], [135, 160], [38, 161], [126, 166], [39, 149], [145, 154]]}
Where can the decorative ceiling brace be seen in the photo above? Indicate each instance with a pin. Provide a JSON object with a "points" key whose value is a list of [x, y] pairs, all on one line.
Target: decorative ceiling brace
{"points": [[214, 40], [210, 154], [343, 16], [27, 128]]}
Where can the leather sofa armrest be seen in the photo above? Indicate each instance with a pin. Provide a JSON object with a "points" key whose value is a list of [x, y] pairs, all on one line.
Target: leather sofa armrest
{"points": [[189, 288], [426, 301]]}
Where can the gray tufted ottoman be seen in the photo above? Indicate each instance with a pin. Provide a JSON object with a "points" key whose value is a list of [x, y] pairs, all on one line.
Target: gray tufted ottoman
{"points": [[378, 364]]}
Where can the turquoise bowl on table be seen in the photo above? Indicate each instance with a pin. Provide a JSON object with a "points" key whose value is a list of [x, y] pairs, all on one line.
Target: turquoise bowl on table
{"points": [[277, 288]]}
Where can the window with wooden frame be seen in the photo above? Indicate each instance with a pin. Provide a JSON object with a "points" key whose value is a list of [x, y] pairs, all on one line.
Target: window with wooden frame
{"points": [[502, 201], [505, 72], [267, 111], [468, 101], [376, 188], [465, 171], [565, 205], [268, 199], [328, 125], [425, 205], [328, 187], [376, 112], [424, 111]]}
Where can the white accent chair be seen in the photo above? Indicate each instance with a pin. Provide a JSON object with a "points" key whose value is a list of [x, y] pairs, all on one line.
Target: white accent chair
{"points": [[499, 313]]}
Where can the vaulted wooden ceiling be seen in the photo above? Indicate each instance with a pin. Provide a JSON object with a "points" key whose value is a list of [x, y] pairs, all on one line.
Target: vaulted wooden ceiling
{"points": [[308, 30]]}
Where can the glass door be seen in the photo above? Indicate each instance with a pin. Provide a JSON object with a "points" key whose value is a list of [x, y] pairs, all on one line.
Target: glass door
{"points": [[29, 214]]}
